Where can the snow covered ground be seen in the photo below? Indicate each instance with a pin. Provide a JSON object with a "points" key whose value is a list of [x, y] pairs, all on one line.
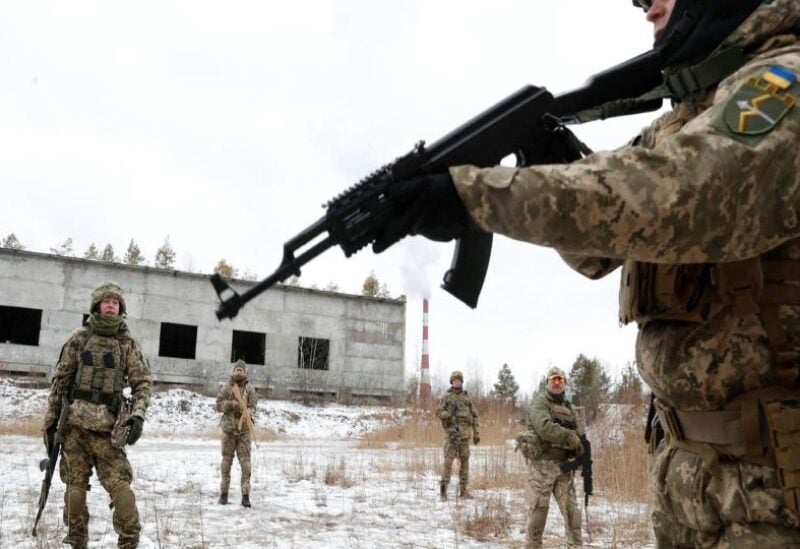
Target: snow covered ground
{"points": [[312, 487]]}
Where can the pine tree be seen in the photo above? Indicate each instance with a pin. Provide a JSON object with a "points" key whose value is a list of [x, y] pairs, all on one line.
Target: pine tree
{"points": [[134, 255], [12, 243], [108, 254], [63, 249], [590, 384], [506, 387], [91, 252], [629, 389], [165, 255], [225, 269]]}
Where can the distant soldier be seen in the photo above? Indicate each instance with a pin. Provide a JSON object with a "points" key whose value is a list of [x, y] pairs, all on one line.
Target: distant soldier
{"points": [[96, 363], [237, 401], [460, 421], [557, 433]]}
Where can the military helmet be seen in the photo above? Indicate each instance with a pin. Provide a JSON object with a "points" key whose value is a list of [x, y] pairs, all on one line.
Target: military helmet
{"points": [[556, 371], [240, 364], [106, 290], [456, 375]]}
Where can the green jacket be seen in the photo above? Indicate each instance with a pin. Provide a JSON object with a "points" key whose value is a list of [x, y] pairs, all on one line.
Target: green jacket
{"points": [[552, 418], [456, 405]]}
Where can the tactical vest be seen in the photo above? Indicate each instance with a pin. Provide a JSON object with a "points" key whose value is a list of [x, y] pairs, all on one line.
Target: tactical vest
{"points": [[101, 371], [563, 414], [696, 292], [760, 426]]}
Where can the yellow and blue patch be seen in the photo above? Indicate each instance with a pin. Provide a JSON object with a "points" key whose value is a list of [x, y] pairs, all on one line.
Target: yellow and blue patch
{"points": [[761, 102]]}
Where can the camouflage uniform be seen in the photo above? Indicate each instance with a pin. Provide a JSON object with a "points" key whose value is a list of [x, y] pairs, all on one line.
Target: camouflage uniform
{"points": [[87, 437], [460, 420], [693, 196], [236, 436], [552, 418]]}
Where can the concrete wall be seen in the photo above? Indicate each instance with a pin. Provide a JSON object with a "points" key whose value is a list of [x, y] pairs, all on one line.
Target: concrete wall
{"points": [[366, 334]]}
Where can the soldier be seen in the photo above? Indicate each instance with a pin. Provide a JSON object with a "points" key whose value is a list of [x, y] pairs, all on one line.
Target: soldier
{"points": [[96, 363], [702, 209], [460, 421], [552, 418], [237, 429]]}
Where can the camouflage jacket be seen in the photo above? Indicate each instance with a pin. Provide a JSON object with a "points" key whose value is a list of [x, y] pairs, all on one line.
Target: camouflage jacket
{"points": [[456, 405], [87, 415], [687, 191], [553, 418], [225, 404]]}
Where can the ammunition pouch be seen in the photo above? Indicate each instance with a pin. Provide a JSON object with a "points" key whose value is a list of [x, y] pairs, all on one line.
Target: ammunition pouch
{"points": [[760, 427], [530, 445], [697, 292]]}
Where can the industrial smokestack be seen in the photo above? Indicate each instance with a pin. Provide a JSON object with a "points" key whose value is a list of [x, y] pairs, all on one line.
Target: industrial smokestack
{"points": [[425, 377]]}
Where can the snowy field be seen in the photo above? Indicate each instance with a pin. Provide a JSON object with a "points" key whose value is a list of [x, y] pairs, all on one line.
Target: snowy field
{"points": [[311, 487]]}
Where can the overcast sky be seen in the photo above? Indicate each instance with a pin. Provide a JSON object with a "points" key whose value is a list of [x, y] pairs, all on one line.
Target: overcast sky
{"points": [[227, 125]]}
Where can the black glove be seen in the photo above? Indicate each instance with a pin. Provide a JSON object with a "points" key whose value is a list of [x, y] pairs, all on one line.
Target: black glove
{"points": [[428, 205], [135, 423], [50, 437]]}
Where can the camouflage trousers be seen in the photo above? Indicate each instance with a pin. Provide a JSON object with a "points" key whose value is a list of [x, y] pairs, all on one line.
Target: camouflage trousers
{"points": [[740, 505], [235, 442], [545, 478], [82, 450], [452, 451]]}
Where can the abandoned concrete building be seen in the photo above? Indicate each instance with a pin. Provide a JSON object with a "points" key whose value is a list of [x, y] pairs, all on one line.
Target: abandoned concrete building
{"points": [[297, 341]]}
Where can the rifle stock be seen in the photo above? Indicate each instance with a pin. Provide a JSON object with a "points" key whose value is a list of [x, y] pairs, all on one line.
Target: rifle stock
{"points": [[527, 125]]}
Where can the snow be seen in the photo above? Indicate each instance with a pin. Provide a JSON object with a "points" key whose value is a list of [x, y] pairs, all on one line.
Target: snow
{"points": [[312, 487]]}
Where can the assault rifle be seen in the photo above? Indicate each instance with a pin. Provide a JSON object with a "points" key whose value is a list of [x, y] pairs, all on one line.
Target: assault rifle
{"points": [[528, 125], [48, 464], [585, 463]]}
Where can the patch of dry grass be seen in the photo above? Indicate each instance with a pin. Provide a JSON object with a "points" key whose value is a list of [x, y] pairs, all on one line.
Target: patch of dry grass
{"points": [[490, 520], [26, 427]]}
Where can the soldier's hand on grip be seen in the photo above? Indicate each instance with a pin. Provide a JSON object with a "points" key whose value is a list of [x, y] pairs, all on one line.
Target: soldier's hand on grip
{"points": [[135, 423], [476, 438], [428, 205]]}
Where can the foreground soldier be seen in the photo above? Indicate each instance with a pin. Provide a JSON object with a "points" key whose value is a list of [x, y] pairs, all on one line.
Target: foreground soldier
{"points": [[237, 429], [702, 209], [460, 421], [96, 363], [558, 438]]}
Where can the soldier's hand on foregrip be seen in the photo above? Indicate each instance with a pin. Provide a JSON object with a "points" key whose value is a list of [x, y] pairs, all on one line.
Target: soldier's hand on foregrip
{"points": [[444, 415], [135, 424], [427, 205]]}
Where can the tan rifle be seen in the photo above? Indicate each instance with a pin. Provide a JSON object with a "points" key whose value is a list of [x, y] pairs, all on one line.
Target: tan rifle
{"points": [[246, 420]]}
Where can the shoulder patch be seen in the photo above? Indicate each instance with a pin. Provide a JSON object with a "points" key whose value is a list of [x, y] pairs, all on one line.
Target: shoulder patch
{"points": [[760, 103]]}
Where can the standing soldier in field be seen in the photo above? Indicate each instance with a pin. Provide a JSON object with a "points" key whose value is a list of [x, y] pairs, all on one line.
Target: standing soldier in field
{"points": [[96, 363], [237, 401], [460, 421], [558, 435]]}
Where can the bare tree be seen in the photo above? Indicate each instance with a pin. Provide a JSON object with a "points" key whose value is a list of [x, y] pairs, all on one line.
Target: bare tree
{"points": [[63, 249], [12, 243], [108, 254]]}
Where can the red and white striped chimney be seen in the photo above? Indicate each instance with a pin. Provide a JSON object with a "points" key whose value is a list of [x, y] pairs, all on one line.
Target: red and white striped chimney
{"points": [[425, 377]]}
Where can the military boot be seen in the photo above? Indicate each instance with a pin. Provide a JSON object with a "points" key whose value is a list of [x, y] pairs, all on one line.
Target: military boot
{"points": [[223, 498], [245, 500], [443, 490], [463, 493]]}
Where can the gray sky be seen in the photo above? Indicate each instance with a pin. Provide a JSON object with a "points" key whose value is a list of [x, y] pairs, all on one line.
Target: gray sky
{"points": [[227, 125]]}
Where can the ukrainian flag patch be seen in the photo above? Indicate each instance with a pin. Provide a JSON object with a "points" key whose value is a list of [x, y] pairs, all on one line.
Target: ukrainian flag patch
{"points": [[761, 102]]}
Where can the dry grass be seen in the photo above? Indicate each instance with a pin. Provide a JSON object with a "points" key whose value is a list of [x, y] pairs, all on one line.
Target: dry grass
{"points": [[26, 427], [420, 427], [490, 520]]}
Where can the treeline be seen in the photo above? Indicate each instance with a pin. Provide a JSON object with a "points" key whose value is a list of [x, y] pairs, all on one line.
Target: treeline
{"points": [[588, 385]]}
